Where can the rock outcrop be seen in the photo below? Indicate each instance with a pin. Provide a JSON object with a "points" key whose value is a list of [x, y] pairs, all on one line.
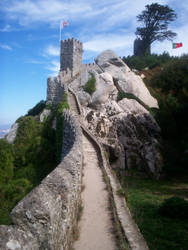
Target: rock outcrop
{"points": [[11, 136], [125, 127], [125, 79]]}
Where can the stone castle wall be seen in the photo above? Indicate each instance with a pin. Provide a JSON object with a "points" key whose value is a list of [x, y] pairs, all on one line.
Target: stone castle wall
{"points": [[90, 66], [44, 219], [54, 90], [57, 86]]}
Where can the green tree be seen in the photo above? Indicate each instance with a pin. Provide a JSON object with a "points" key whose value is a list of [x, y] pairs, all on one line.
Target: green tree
{"points": [[6, 162], [37, 108], [155, 20], [171, 84]]}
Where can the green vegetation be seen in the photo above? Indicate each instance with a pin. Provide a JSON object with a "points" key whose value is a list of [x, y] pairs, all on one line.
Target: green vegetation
{"points": [[148, 61], [90, 86], [59, 125], [171, 89], [33, 155], [160, 207], [168, 82], [174, 207], [155, 20], [37, 109], [145, 198]]}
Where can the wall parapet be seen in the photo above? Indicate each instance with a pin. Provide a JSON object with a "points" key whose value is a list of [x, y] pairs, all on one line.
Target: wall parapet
{"points": [[121, 212], [44, 219]]}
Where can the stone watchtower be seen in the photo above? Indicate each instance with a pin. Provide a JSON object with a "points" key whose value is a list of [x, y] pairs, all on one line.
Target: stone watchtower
{"points": [[71, 55]]}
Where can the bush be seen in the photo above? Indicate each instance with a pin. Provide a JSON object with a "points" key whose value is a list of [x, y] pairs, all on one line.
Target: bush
{"points": [[63, 104], [174, 207], [171, 86], [26, 162], [150, 61], [174, 78], [90, 86], [6, 162], [37, 109], [59, 126]]}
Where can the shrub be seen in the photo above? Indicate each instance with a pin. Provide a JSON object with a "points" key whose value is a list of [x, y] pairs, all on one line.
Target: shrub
{"points": [[174, 207], [6, 162], [150, 61], [37, 109], [171, 86], [63, 104], [59, 126], [26, 162], [90, 86]]}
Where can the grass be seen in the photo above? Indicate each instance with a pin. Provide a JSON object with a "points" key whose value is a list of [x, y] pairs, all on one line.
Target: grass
{"points": [[144, 199]]}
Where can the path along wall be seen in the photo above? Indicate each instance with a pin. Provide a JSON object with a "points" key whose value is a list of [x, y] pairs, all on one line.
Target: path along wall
{"points": [[45, 218]]}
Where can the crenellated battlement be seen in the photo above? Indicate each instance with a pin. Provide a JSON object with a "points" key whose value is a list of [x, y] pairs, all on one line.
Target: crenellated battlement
{"points": [[71, 55], [72, 42], [90, 67]]}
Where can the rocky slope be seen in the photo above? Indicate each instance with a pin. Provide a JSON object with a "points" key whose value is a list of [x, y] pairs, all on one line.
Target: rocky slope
{"points": [[125, 127]]}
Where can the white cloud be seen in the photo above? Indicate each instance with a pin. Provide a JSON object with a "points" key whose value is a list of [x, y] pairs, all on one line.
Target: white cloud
{"points": [[111, 41], [33, 61], [7, 28], [48, 11], [54, 67], [5, 46], [51, 50]]}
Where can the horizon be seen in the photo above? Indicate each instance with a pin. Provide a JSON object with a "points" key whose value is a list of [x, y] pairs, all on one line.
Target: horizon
{"points": [[29, 43]]}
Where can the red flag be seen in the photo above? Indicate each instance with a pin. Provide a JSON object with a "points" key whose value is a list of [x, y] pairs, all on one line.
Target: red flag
{"points": [[64, 24], [176, 45]]}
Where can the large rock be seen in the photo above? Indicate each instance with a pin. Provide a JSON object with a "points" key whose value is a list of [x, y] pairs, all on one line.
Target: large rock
{"points": [[131, 106], [84, 97], [130, 132], [104, 89], [44, 115], [11, 136], [124, 78]]}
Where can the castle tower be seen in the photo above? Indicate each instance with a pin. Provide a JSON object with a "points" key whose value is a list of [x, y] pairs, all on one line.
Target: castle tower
{"points": [[71, 55]]}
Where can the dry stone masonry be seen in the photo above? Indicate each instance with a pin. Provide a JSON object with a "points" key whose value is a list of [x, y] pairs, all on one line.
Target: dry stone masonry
{"points": [[45, 218]]}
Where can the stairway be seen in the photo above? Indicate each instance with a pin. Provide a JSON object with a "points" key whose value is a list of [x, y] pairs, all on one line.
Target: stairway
{"points": [[73, 105]]}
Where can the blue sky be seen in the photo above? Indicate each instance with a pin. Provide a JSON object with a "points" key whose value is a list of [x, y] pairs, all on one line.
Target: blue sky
{"points": [[29, 41]]}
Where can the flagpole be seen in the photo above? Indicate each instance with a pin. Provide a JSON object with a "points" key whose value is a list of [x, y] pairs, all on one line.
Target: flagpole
{"points": [[60, 32]]}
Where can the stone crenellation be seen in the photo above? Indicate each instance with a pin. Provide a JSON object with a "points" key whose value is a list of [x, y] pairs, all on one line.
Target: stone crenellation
{"points": [[90, 66], [45, 218], [57, 86], [71, 55]]}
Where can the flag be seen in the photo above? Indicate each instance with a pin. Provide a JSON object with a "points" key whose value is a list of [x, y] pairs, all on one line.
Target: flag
{"points": [[64, 24], [176, 45]]}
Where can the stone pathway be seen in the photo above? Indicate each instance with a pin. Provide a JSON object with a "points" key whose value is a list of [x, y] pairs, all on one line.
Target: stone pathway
{"points": [[95, 225]]}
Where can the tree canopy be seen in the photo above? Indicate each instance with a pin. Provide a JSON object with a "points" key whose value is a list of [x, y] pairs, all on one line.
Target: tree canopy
{"points": [[155, 20]]}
